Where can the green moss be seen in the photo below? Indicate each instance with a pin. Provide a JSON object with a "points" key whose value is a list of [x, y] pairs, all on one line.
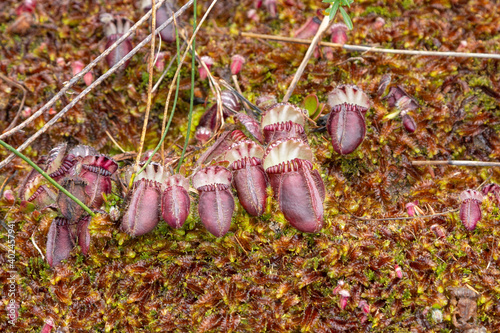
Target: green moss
{"points": [[382, 11]]}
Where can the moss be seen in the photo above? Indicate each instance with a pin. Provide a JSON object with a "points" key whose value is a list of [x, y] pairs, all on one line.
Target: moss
{"points": [[172, 280], [382, 11]]}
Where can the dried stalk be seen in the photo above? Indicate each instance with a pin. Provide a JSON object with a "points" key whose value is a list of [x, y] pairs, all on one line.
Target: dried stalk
{"points": [[89, 88], [191, 45], [114, 141], [35, 245], [238, 89], [78, 76], [163, 135], [373, 49], [6, 181], [20, 86], [458, 163], [150, 87], [162, 76], [240, 96], [312, 46], [236, 84], [236, 237], [176, 79], [403, 218], [159, 39], [46, 176], [214, 86]]}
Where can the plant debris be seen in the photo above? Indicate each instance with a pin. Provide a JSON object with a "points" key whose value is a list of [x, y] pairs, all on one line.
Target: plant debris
{"points": [[264, 275]]}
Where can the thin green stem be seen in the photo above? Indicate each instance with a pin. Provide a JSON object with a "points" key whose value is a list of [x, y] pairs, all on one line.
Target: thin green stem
{"points": [[46, 176], [191, 101], [150, 86], [173, 106]]}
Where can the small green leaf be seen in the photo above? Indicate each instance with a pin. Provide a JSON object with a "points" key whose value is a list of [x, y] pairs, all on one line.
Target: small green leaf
{"points": [[346, 17], [333, 10], [311, 104], [318, 112]]}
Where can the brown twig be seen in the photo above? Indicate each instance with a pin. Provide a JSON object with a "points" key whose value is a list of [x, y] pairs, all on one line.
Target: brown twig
{"points": [[35, 245], [474, 290], [322, 28], [170, 90], [89, 88], [374, 49], [238, 89], [78, 76], [458, 163], [20, 86], [407, 218], [150, 87], [236, 83], [214, 86], [240, 96], [401, 218], [484, 182], [236, 237], [162, 76], [114, 141], [129, 155], [6, 181]]}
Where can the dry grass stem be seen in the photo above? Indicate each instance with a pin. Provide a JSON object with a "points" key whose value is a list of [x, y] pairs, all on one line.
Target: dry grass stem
{"points": [[172, 85], [471, 288], [35, 245], [458, 163], [159, 42], [214, 86], [87, 90], [322, 28], [78, 76], [170, 90], [236, 83], [402, 218], [162, 76], [238, 89], [240, 96], [20, 86], [373, 49], [114, 142], [150, 87], [236, 237], [6, 181]]}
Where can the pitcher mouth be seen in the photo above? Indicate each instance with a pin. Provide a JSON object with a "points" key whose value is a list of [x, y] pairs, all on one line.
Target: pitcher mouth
{"points": [[286, 150], [283, 112], [212, 175], [349, 95], [243, 150]]}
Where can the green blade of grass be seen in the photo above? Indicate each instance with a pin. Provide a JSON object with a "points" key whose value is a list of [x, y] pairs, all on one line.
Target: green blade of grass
{"points": [[346, 17], [46, 176], [173, 106], [191, 100]]}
